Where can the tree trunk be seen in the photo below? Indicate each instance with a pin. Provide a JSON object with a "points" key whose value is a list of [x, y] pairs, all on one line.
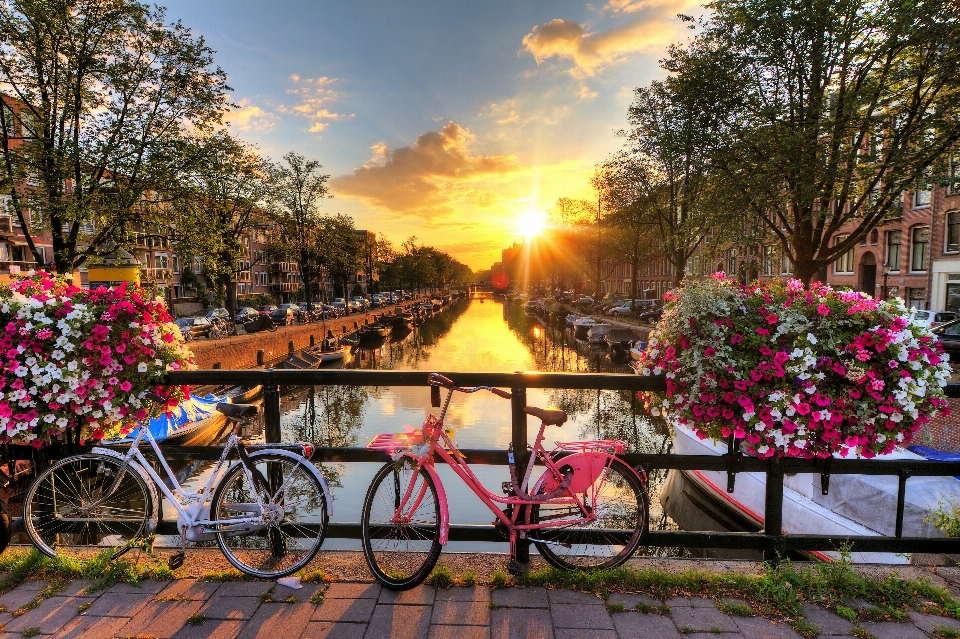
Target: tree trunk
{"points": [[230, 299]]}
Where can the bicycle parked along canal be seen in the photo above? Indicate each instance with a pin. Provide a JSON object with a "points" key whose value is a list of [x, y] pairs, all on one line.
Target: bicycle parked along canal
{"points": [[588, 509], [268, 511]]}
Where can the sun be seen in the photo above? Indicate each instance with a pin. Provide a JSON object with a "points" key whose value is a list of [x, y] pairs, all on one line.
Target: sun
{"points": [[531, 224]]}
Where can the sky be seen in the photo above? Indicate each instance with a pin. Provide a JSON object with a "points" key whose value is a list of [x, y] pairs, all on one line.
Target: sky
{"points": [[452, 121]]}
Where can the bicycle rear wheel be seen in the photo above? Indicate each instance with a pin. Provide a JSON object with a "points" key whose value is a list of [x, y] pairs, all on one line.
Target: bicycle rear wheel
{"points": [[292, 528], [69, 505], [611, 538], [401, 553]]}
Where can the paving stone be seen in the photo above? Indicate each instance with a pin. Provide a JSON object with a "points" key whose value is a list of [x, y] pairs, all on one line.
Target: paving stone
{"points": [[760, 628], [733, 601], [87, 627], [636, 625], [190, 589], [460, 632], [112, 604], [211, 629], [162, 619], [302, 595], [520, 597], [352, 610], [859, 604], [518, 623], [928, 622], [702, 619], [630, 600], [276, 621], [419, 596], [76, 588], [145, 586], [331, 630], [244, 588], [461, 613], [715, 635], [893, 630], [230, 607], [352, 591], [827, 622], [399, 622], [691, 602], [34, 584], [573, 597], [18, 598], [580, 616], [464, 593], [573, 633], [50, 616]]}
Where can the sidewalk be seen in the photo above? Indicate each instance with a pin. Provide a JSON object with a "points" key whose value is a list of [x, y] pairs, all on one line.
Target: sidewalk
{"points": [[187, 608]]}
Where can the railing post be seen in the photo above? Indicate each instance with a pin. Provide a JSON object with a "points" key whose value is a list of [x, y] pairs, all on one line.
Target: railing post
{"points": [[773, 511], [519, 437], [271, 412]]}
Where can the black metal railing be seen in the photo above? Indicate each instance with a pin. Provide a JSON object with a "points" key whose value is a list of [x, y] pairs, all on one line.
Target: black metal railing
{"points": [[772, 541]]}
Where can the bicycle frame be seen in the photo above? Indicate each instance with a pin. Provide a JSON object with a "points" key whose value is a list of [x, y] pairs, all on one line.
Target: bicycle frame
{"points": [[437, 442], [136, 460]]}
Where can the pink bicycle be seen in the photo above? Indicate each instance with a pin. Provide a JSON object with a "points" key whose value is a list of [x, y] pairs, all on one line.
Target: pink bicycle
{"points": [[588, 510]]}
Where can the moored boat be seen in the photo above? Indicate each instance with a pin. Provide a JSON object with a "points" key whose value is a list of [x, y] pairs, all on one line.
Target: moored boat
{"points": [[582, 325]]}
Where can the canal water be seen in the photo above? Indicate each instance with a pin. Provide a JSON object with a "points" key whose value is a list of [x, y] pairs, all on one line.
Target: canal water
{"points": [[480, 334]]}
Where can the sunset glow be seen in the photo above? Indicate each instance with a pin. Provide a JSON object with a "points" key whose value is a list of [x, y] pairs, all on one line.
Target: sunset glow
{"points": [[531, 224]]}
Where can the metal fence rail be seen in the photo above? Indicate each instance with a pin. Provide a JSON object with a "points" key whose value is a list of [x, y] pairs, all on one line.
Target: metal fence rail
{"points": [[772, 540]]}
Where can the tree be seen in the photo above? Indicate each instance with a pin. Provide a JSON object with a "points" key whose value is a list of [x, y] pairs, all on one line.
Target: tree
{"points": [[840, 107], [98, 95], [216, 204], [297, 189], [338, 249]]}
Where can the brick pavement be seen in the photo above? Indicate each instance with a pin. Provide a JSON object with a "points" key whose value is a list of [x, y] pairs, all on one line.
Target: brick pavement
{"points": [[187, 609]]}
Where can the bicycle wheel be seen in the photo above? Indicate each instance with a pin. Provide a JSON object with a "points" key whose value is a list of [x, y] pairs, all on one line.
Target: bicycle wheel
{"points": [[401, 555], [607, 541], [69, 505], [293, 526]]}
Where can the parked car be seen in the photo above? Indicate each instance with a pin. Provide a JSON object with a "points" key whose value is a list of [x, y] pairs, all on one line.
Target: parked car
{"points": [[584, 301], [362, 303], [246, 314], [949, 336], [193, 327], [266, 309], [283, 316], [217, 312], [931, 319], [354, 306], [293, 308], [341, 305], [651, 317]]}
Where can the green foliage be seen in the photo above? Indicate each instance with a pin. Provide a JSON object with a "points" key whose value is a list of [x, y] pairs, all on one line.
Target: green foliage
{"points": [[946, 518], [615, 607], [943, 632], [441, 577], [196, 620], [467, 578], [499, 579]]}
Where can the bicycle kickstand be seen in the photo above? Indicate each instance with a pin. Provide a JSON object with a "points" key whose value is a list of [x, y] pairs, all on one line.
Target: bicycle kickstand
{"points": [[514, 567], [176, 560]]}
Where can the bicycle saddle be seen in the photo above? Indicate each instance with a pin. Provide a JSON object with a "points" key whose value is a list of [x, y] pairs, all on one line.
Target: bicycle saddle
{"points": [[237, 411], [549, 416]]}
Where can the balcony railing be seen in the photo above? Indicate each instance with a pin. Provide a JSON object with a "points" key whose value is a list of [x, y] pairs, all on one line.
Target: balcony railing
{"points": [[284, 287], [243, 276], [284, 267], [772, 540], [11, 267], [157, 274]]}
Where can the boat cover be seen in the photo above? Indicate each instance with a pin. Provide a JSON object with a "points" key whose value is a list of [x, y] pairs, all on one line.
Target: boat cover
{"points": [[195, 409]]}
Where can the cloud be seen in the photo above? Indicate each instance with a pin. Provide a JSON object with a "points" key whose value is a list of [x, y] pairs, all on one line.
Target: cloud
{"points": [[312, 96], [653, 26], [250, 117], [427, 177]]}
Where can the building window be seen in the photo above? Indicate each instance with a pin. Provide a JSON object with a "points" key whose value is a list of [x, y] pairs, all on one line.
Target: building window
{"points": [[952, 235], [160, 260], [953, 185], [922, 196], [844, 263], [874, 237], [919, 247], [731, 261], [176, 264], [893, 250]]}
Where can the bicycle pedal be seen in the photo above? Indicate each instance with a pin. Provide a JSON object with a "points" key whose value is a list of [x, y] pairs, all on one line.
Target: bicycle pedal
{"points": [[176, 560], [517, 569]]}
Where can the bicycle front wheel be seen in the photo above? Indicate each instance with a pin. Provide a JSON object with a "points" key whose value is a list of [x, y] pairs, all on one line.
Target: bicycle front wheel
{"points": [[289, 532], [401, 540], [71, 504], [620, 506]]}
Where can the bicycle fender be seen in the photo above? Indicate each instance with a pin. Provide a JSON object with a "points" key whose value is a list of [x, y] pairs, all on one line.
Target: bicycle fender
{"points": [[154, 496], [587, 467], [316, 472], [444, 510]]}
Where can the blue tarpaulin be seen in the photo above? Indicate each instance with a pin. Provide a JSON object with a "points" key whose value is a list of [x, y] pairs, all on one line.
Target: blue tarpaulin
{"points": [[195, 409]]}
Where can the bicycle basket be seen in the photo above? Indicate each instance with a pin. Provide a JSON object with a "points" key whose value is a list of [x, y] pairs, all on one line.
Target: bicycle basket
{"points": [[611, 446]]}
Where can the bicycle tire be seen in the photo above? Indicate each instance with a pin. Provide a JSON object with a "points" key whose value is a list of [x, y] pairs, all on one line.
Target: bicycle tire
{"points": [[63, 490], [622, 505], [267, 554], [402, 561]]}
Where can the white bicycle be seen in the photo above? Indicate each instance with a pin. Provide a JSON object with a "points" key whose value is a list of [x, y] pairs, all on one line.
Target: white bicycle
{"points": [[267, 511]]}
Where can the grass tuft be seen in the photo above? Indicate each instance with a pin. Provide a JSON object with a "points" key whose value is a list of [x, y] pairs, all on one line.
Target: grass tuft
{"points": [[317, 597], [804, 629], [441, 577], [468, 578], [82, 608], [863, 633], [223, 575], [735, 609], [196, 620], [942, 632], [30, 632], [616, 607], [499, 579]]}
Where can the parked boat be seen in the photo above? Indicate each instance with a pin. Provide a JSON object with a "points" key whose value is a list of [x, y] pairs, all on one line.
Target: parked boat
{"points": [[596, 334], [636, 351], [582, 326], [194, 422], [620, 341], [853, 505]]}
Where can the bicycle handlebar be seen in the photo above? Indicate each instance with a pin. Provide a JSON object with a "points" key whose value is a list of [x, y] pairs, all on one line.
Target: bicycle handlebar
{"points": [[436, 379]]}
